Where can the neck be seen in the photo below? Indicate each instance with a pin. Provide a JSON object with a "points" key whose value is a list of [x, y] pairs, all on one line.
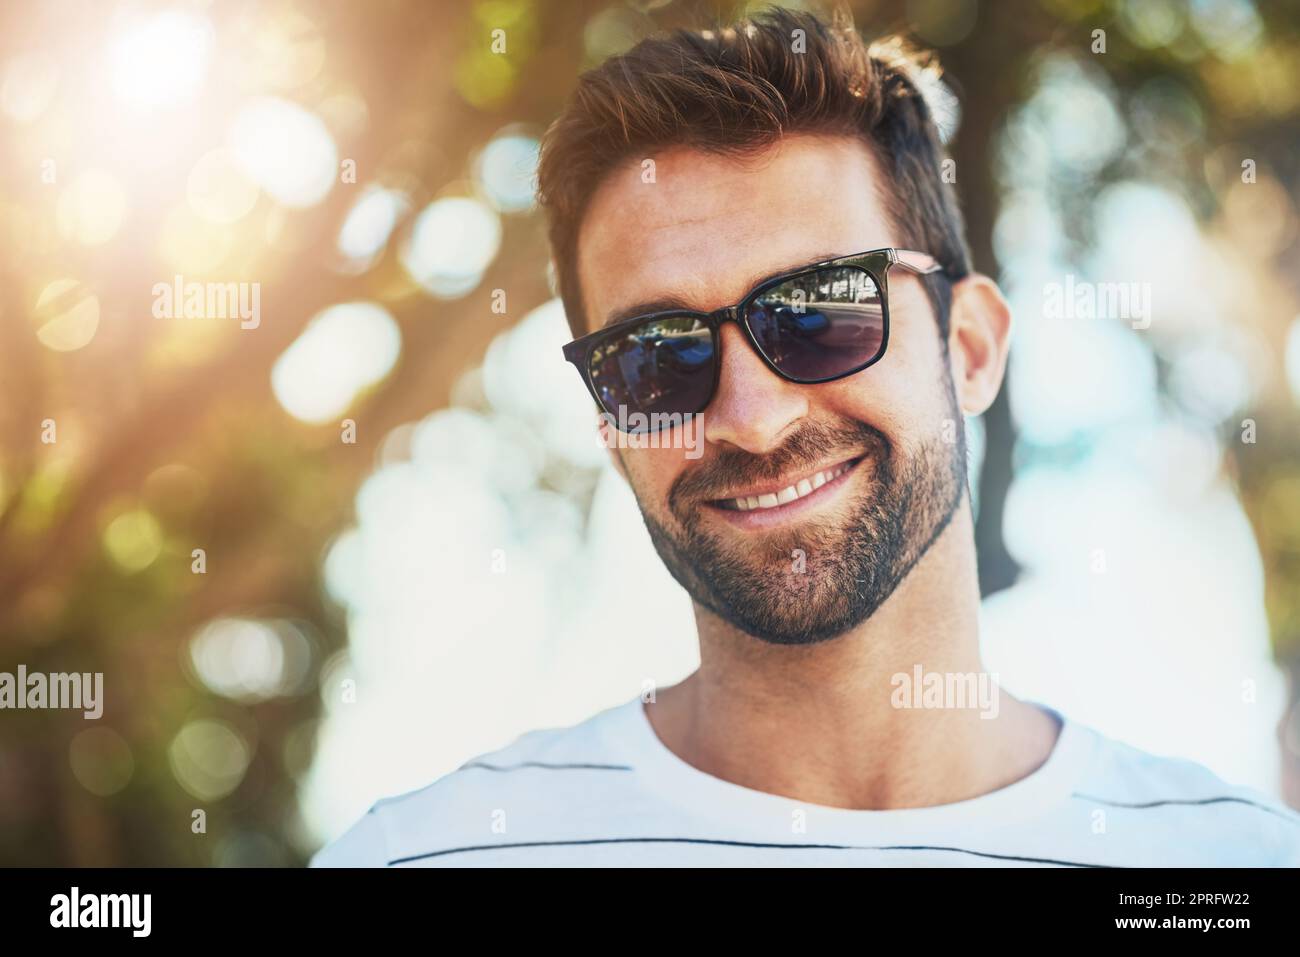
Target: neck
{"points": [[826, 723]]}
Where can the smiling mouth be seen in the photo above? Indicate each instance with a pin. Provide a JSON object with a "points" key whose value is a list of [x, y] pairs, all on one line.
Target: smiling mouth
{"points": [[777, 497]]}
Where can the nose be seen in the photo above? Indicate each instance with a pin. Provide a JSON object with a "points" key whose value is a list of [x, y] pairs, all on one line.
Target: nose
{"points": [[754, 408]]}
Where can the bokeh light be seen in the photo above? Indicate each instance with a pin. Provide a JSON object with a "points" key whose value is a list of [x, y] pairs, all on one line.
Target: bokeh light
{"points": [[209, 758], [1231, 28], [342, 351], [451, 244], [67, 314], [238, 658], [507, 170], [284, 149], [512, 380], [133, 539], [369, 223], [159, 59], [1152, 23]]}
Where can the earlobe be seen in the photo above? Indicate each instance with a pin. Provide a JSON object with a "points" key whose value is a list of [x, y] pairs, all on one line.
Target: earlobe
{"points": [[978, 339]]}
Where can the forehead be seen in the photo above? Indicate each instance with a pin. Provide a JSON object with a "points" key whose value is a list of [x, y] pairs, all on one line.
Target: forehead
{"points": [[703, 229]]}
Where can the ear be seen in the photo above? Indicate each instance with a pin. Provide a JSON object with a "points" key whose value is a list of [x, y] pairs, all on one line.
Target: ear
{"points": [[609, 440], [979, 335]]}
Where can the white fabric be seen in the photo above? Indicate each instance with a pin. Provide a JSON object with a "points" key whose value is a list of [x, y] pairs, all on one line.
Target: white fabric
{"points": [[607, 792]]}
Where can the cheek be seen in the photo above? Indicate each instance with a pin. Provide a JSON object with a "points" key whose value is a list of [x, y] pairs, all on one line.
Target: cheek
{"points": [[653, 471], [903, 394], [866, 398]]}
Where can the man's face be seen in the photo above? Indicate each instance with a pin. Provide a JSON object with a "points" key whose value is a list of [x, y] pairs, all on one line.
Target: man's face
{"points": [[889, 439]]}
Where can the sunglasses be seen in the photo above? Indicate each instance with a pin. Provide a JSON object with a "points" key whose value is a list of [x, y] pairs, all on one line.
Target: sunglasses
{"points": [[815, 324]]}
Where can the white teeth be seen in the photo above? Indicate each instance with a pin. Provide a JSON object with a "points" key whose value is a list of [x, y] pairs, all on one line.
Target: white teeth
{"points": [[798, 490]]}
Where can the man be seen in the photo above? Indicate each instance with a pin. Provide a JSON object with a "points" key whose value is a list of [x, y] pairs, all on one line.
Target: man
{"points": [[750, 226]]}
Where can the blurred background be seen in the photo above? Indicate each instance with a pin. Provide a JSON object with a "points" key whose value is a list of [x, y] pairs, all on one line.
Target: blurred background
{"points": [[328, 555]]}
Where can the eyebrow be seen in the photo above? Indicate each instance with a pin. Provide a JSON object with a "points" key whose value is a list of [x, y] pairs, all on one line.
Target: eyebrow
{"points": [[674, 302]]}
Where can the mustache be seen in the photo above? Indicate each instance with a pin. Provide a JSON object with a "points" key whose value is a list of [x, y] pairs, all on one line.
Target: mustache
{"points": [[813, 445]]}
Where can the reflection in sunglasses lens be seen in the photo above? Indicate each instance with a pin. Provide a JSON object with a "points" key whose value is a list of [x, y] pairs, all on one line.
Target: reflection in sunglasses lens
{"points": [[664, 366], [820, 324]]}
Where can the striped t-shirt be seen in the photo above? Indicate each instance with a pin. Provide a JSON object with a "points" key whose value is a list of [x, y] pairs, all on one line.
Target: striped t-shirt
{"points": [[607, 792]]}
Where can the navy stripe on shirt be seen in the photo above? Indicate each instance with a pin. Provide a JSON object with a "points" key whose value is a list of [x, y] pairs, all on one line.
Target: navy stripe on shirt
{"points": [[542, 764], [699, 840], [1191, 802]]}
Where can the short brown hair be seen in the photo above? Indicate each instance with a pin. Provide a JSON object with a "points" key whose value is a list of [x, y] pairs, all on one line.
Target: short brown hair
{"points": [[737, 90]]}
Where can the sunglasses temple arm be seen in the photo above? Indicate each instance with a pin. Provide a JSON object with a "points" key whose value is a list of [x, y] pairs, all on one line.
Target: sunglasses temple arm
{"points": [[917, 262]]}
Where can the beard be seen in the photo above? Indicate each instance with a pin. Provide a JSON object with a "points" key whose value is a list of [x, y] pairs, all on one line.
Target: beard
{"points": [[820, 578]]}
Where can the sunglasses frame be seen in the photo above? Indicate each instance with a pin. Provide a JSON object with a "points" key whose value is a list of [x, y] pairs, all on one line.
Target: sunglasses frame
{"points": [[875, 263]]}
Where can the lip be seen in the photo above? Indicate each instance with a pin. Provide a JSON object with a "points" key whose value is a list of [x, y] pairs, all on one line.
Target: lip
{"points": [[759, 518]]}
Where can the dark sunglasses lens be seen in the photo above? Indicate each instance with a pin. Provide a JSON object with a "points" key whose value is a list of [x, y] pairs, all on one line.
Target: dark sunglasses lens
{"points": [[664, 366], [820, 324]]}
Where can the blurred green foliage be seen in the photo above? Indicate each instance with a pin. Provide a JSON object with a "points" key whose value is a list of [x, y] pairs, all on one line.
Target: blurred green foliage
{"points": [[180, 431]]}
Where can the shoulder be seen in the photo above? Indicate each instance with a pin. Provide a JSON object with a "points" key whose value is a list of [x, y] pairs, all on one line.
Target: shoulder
{"points": [[1182, 812], [541, 774]]}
